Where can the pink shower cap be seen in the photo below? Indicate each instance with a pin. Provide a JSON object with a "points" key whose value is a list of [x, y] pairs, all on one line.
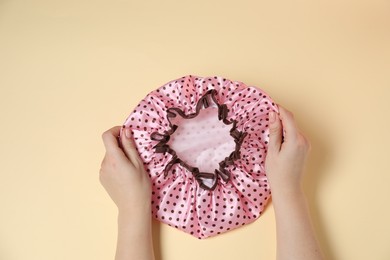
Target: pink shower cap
{"points": [[203, 142]]}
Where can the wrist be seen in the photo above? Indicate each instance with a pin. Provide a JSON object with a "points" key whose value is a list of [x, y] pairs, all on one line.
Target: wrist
{"points": [[139, 211], [139, 222], [285, 194]]}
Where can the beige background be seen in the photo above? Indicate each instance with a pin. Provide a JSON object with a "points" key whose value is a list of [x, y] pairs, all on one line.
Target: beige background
{"points": [[71, 69]]}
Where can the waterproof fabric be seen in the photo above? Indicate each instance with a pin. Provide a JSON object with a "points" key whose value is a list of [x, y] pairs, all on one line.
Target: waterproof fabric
{"points": [[203, 141]]}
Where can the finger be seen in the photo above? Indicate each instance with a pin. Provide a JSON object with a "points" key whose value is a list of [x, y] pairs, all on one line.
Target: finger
{"points": [[110, 139], [288, 123], [129, 147], [275, 132]]}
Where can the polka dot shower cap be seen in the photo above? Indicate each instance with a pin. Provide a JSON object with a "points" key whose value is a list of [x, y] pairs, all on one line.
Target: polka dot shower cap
{"points": [[203, 141]]}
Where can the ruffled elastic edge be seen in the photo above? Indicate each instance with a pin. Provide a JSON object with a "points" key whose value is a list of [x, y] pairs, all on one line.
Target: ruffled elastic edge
{"points": [[163, 147]]}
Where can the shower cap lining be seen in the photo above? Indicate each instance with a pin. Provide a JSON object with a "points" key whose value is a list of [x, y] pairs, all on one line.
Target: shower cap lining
{"points": [[163, 147]]}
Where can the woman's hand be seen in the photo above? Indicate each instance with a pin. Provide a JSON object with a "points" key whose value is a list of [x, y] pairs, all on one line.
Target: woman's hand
{"points": [[122, 173], [123, 176], [287, 153], [285, 161]]}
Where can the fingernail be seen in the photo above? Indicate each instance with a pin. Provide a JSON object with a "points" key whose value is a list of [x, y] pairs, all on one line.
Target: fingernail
{"points": [[128, 133], [272, 117]]}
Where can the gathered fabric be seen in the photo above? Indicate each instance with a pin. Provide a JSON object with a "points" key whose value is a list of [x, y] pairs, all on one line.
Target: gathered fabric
{"points": [[203, 142]]}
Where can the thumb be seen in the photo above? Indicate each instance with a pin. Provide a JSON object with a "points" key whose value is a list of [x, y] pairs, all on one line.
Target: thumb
{"points": [[275, 132], [129, 147]]}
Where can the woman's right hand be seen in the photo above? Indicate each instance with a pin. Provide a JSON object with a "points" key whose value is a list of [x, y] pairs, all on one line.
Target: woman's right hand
{"points": [[287, 153], [286, 157]]}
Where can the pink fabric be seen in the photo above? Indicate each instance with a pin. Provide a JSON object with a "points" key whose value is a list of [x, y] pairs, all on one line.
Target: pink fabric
{"points": [[202, 142]]}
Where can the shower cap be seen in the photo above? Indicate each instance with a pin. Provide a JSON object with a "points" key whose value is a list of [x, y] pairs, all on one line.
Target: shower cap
{"points": [[203, 142]]}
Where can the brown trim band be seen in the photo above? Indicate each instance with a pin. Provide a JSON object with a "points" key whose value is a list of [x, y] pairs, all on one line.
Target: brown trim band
{"points": [[163, 147]]}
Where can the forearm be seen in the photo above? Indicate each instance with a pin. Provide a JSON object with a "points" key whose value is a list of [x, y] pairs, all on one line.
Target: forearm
{"points": [[295, 233], [134, 237]]}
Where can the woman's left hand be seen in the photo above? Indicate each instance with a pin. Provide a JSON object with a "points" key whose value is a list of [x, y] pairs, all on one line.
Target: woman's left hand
{"points": [[122, 173]]}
